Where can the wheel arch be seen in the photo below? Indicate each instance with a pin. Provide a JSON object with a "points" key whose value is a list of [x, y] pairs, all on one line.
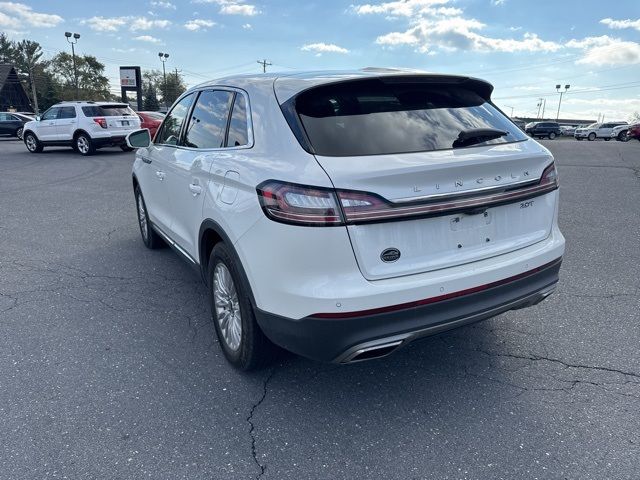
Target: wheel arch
{"points": [[211, 233], [80, 131]]}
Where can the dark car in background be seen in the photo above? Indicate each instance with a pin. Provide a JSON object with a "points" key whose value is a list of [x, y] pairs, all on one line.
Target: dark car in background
{"points": [[634, 131], [549, 130], [151, 120], [13, 123]]}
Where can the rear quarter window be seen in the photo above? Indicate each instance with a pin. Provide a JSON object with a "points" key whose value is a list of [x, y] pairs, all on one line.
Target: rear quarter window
{"points": [[373, 117]]}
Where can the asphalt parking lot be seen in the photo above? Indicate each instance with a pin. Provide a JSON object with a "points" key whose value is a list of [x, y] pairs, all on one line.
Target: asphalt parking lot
{"points": [[109, 367]]}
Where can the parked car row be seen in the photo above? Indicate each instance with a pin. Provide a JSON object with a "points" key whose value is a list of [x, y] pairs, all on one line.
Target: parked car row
{"points": [[84, 126], [12, 123], [620, 131]]}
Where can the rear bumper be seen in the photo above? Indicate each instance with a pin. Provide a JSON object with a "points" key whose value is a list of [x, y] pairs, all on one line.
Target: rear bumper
{"points": [[355, 337], [111, 141]]}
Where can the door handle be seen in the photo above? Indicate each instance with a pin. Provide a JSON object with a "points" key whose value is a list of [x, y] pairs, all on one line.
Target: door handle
{"points": [[195, 189], [145, 159], [160, 175]]}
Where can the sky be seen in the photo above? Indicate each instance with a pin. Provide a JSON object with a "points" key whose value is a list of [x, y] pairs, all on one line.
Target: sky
{"points": [[523, 47]]}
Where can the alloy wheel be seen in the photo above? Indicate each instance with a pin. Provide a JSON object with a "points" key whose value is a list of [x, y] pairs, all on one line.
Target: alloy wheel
{"points": [[83, 144], [142, 219], [31, 143], [225, 299]]}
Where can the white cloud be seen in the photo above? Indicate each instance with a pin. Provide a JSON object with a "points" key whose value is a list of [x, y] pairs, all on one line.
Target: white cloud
{"points": [[199, 24], [113, 24], [399, 8], [233, 7], [247, 26], [147, 38], [434, 25], [16, 15], [143, 23], [104, 24], [161, 4], [320, 48], [605, 50], [498, 2], [621, 24]]}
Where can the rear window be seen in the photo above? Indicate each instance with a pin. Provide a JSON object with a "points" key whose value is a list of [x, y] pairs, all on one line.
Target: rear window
{"points": [[108, 111], [370, 117]]}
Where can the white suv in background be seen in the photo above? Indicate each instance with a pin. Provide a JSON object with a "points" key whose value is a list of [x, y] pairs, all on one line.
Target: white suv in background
{"points": [[343, 215], [84, 126], [597, 130]]}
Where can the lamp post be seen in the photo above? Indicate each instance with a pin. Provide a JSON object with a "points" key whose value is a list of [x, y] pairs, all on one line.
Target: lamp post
{"points": [[163, 58], [561, 92], [509, 106], [75, 37]]}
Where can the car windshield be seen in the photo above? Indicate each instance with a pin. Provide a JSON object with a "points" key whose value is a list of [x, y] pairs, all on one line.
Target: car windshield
{"points": [[396, 117]]}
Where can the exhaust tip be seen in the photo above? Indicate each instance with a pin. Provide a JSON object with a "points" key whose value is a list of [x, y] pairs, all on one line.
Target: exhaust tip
{"points": [[370, 353]]}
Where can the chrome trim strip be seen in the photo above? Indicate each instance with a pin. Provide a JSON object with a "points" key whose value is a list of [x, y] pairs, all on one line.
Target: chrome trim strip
{"points": [[173, 244], [472, 191]]}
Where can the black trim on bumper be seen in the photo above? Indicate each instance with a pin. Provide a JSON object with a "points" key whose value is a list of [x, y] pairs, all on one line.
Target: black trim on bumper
{"points": [[114, 141], [338, 340]]}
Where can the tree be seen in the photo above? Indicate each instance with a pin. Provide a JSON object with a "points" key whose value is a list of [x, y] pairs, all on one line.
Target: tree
{"points": [[174, 88], [150, 97], [28, 56], [92, 84], [7, 50], [635, 118]]}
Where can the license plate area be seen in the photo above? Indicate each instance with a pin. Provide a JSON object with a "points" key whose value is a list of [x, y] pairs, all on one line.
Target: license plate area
{"points": [[440, 242]]}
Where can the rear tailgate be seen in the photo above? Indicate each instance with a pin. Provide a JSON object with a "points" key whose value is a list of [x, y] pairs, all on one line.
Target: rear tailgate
{"points": [[429, 173], [120, 118], [440, 241]]}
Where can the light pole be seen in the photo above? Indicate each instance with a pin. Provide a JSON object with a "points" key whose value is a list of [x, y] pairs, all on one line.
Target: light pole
{"points": [[163, 58], [508, 106], [75, 36], [561, 92]]}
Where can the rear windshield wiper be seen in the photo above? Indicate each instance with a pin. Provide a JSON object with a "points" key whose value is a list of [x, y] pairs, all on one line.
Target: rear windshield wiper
{"points": [[477, 135]]}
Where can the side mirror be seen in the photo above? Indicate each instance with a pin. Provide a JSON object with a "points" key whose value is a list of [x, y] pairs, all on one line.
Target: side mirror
{"points": [[139, 138]]}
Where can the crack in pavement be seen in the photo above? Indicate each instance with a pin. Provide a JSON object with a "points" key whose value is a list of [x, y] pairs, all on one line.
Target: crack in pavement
{"points": [[537, 358], [265, 383]]}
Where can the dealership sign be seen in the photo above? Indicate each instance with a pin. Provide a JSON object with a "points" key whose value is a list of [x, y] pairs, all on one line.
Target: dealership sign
{"points": [[127, 77]]}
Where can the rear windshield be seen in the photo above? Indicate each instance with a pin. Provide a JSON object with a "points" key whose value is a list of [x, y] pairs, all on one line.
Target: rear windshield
{"points": [[107, 111], [370, 117]]}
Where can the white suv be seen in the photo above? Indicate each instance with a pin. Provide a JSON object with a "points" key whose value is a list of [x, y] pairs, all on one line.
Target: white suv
{"points": [[84, 126], [343, 215], [598, 130]]}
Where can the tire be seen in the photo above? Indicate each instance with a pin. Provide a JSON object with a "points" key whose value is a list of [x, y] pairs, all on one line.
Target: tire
{"points": [[623, 136], [126, 148], [149, 236], [591, 137], [32, 143], [552, 135], [241, 339], [84, 145], [19, 132]]}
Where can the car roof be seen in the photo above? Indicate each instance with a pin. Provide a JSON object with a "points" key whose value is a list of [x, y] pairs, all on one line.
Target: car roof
{"points": [[289, 84]]}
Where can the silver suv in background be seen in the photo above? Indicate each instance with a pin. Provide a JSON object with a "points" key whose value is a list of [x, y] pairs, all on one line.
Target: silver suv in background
{"points": [[83, 126]]}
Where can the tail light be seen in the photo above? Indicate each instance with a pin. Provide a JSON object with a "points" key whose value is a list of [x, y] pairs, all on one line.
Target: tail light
{"points": [[317, 206], [101, 121], [299, 204]]}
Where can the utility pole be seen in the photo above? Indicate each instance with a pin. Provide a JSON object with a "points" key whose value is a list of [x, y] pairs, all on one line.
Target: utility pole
{"points": [[33, 90], [544, 105], [163, 58], [561, 92], [508, 106], [76, 36], [264, 64]]}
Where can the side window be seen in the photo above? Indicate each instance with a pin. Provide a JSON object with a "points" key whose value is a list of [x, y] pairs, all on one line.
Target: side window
{"points": [[4, 117], [169, 132], [208, 122], [238, 134], [67, 112], [50, 114]]}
